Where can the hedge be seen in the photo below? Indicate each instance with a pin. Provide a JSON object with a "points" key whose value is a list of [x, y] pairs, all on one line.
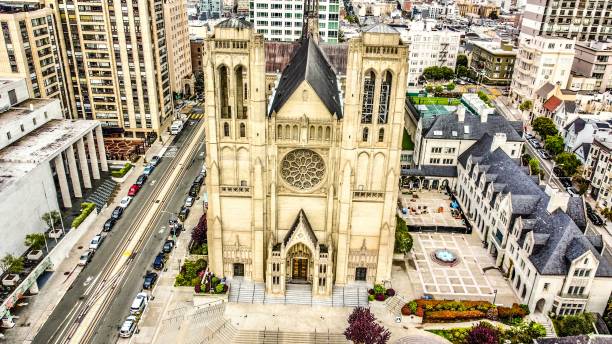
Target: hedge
{"points": [[450, 316], [86, 209], [120, 173], [516, 311]]}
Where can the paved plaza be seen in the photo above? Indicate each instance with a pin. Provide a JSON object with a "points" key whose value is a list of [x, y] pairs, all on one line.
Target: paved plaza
{"points": [[431, 208], [466, 280]]}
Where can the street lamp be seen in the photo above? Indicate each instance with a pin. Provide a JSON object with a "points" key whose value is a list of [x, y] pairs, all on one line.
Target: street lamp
{"points": [[495, 295]]}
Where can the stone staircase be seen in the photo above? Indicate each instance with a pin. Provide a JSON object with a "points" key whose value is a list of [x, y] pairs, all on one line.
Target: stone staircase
{"points": [[103, 193], [280, 337], [394, 304], [297, 294], [545, 321]]}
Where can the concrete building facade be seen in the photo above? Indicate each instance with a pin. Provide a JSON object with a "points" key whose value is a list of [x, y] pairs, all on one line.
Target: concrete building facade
{"points": [[594, 60], [493, 62], [302, 188], [29, 49], [179, 49], [45, 160], [598, 169], [540, 60]]}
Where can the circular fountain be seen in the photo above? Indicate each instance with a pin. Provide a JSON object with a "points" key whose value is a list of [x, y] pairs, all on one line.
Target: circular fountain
{"points": [[445, 257]]}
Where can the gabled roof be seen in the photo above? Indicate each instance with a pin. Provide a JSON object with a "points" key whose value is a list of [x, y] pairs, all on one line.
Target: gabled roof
{"points": [[578, 124], [472, 128], [552, 103], [380, 28], [545, 89], [303, 220], [235, 23], [309, 64]]}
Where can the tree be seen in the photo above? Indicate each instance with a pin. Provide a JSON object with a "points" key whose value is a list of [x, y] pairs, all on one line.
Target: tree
{"points": [[35, 241], [462, 60], [199, 83], [403, 239], [438, 73], [574, 325], [450, 86], [554, 144], [526, 105], [534, 166], [11, 264], [544, 126], [429, 88], [582, 184], [363, 328], [439, 89], [607, 213], [568, 163], [462, 71], [51, 218], [483, 333], [198, 234], [484, 97]]}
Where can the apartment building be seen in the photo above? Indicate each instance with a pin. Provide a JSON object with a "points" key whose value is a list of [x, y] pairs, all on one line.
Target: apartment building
{"points": [[179, 49], [493, 62], [429, 47], [29, 49], [535, 235], [282, 20], [209, 9], [594, 60], [541, 60], [598, 169], [583, 20], [466, 8]]}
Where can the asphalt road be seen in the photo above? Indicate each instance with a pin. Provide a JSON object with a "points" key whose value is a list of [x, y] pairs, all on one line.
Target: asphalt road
{"points": [[107, 330], [545, 166]]}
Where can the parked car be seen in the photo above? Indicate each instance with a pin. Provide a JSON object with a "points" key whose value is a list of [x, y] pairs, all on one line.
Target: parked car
{"points": [[109, 224], [193, 191], [96, 242], [128, 327], [558, 172], [566, 182], [183, 213], [139, 303], [155, 160], [125, 201], [148, 169], [189, 201], [199, 179], [535, 144], [149, 280], [168, 246], [528, 136], [86, 258], [544, 154], [142, 179], [175, 228], [572, 191], [160, 261], [133, 190], [117, 213]]}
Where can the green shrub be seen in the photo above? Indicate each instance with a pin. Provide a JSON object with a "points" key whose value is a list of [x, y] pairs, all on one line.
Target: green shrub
{"points": [[403, 239], [370, 298], [413, 306], [86, 209], [121, 172], [379, 289], [199, 249], [219, 288], [189, 274], [573, 325]]}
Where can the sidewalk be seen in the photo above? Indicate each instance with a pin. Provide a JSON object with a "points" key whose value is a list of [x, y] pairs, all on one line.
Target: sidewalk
{"points": [[38, 308]]}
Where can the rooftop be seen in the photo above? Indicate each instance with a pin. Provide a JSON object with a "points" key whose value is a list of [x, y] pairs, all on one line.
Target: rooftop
{"points": [[24, 108], [21, 157]]}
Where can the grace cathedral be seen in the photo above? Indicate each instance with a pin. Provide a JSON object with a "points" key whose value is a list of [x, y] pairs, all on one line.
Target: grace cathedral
{"points": [[303, 164]]}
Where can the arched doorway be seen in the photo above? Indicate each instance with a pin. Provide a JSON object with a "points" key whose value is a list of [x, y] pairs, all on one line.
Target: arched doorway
{"points": [[434, 184], [299, 263], [539, 308]]}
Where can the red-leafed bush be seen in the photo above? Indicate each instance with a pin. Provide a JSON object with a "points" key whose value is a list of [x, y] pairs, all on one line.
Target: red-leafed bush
{"points": [[420, 312], [516, 311], [483, 334], [364, 329], [406, 310], [390, 292], [380, 297], [447, 316]]}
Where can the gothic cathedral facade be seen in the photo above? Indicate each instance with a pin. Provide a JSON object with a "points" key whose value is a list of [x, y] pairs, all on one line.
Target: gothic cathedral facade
{"points": [[302, 186]]}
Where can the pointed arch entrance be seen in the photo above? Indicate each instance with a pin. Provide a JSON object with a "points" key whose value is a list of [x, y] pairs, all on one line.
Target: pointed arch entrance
{"points": [[299, 261]]}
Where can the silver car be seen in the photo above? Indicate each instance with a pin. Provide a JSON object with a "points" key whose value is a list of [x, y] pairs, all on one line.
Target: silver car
{"points": [[189, 201], [129, 327]]}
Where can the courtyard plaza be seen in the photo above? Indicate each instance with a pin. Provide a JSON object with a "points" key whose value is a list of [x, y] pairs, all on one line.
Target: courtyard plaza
{"points": [[431, 208]]}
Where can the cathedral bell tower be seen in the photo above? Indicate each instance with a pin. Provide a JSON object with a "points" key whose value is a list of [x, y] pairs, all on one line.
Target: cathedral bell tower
{"points": [[310, 21], [236, 149]]}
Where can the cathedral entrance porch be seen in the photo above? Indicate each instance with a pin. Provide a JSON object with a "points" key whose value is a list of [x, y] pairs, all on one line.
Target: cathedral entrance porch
{"points": [[299, 272], [298, 261]]}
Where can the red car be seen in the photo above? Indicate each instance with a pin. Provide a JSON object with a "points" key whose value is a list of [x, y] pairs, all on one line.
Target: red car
{"points": [[133, 190]]}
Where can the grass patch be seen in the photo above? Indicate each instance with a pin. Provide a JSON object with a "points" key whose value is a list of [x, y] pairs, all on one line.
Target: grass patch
{"points": [[121, 172], [434, 101], [407, 143], [86, 209]]}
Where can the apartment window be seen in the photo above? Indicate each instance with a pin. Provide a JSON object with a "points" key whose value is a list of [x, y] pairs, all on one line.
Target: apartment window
{"points": [[434, 160], [8, 135], [447, 161], [546, 286], [436, 149], [582, 272], [22, 127], [12, 97], [46, 115]]}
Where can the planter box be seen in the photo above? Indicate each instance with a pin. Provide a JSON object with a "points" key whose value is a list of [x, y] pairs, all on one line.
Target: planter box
{"points": [[35, 255], [125, 176], [11, 280], [55, 234]]}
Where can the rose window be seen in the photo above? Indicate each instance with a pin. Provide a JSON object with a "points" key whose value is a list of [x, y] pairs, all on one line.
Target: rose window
{"points": [[303, 169]]}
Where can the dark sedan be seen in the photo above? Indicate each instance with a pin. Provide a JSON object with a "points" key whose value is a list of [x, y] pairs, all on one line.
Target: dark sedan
{"points": [[149, 280], [109, 224]]}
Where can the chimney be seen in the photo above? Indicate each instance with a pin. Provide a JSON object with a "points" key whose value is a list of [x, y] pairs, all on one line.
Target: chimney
{"points": [[558, 199], [461, 114], [498, 140]]}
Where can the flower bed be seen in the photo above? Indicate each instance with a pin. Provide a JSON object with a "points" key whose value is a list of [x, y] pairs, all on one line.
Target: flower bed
{"points": [[450, 310], [380, 293], [486, 333], [452, 316], [121, 172], [86, 209], [189, 274], [210, 284]]}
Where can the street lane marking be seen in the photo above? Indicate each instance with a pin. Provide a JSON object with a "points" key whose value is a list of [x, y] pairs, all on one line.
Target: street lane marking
{"points": [[127, 253]]}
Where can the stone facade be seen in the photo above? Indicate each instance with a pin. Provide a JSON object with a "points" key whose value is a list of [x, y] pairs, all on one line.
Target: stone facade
{"points": [[301, 191]]}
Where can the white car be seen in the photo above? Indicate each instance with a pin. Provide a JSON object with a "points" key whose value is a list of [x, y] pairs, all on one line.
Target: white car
{"points": [[128, 327], [139, 303], [96, 242], [86, 258], [125, 201], [189, 201]]}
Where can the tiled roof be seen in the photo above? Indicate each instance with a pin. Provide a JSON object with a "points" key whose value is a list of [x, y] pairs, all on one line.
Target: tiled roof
{"points": [[431, 170], [552, 103], [545, 90], [449, 127], [309, 64]]}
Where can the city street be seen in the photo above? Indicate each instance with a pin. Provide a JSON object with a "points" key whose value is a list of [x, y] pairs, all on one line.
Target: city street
{"points": [[546, 166], [81, 296]]}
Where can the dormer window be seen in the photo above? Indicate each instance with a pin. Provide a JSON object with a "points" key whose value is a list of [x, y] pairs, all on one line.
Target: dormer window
{"points": [[586, 261]]}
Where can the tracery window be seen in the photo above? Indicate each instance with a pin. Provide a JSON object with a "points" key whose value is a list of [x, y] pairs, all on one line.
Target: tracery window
{"points": [[303, 169], [367, 107], [385, 95]]}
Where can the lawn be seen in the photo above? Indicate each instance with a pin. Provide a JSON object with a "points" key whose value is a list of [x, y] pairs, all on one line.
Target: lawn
{"points": [[434, 101]]}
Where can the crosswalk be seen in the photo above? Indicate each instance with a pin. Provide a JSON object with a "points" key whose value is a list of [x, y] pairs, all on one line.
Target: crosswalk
{"points": [[196, 116]]}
